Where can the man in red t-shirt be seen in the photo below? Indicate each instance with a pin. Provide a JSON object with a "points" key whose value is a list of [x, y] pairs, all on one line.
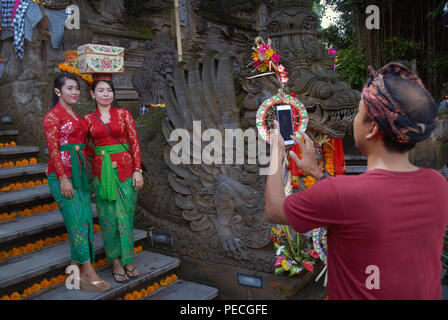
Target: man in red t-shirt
{"points": [[385, 227]]}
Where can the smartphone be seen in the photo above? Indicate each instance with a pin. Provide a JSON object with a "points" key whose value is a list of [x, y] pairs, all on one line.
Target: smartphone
{"points": [[284, 119]]}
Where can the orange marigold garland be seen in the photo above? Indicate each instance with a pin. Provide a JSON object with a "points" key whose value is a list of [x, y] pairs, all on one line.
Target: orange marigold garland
{"points": [[142, 293]]}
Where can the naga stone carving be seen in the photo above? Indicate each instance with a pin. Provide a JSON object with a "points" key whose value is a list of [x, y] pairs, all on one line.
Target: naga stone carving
{"points": [[218, 209]]}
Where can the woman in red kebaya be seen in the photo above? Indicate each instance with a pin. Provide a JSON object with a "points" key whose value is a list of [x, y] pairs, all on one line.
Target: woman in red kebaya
{"points": [[68, 180], [117, 176]]}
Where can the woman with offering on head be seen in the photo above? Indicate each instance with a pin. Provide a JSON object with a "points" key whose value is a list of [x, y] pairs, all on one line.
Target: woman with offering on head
{"points": [[117, 176], [68, 180]]}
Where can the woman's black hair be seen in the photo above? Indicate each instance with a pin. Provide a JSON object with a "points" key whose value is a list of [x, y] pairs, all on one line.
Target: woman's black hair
{"points": [[59, 82]]}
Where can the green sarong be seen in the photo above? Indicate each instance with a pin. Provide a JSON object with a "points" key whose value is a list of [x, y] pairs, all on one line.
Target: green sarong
{"points": [[117, 220], [79, 169], [78, 220], [108, 190]]}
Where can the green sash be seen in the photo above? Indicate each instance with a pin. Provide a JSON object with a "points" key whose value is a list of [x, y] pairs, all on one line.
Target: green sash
{"points": [[108, 190], [79, 170]]}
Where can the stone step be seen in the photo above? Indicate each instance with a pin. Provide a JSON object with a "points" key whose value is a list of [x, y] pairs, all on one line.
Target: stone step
{"points": [[8, 133], [150, 265], [355, 170], [19, 172], [18, 152], [24, 195], [37, 263], [355, 160], [35, 224], [185, 290]]}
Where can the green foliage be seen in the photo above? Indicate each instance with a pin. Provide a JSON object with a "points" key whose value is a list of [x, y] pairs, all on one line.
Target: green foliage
{"points": [[399, 48], [319, 9], [441, 63], [352, 67]]}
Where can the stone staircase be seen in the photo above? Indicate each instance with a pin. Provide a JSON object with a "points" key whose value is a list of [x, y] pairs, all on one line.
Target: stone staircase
{"points": [[355, 164], [41, 270]]}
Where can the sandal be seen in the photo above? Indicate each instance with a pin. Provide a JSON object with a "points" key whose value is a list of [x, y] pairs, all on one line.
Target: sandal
{"points": [[120, 275], [129, 273], [92, 286]]}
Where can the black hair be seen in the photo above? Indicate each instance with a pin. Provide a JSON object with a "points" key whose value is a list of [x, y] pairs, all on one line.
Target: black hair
{"points": [[59, 82]]}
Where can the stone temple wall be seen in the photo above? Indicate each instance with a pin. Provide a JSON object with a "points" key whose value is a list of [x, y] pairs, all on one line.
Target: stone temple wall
{"points": [[26, 85]]}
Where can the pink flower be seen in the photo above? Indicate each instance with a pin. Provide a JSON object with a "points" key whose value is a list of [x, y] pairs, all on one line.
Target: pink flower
{"points": [[257, 63], [278, 263], [313, 253], [275, 58], [308, 266]]}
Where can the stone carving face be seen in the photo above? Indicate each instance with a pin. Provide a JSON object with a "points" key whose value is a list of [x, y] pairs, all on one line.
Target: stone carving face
{"points": [[330, 102]]}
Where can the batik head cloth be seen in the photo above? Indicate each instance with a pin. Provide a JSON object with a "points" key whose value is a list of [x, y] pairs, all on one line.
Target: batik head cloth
{"points": [[398, 101]]}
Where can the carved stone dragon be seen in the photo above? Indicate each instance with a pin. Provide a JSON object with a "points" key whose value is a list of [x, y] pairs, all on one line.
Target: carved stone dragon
{"points": [[225, 203]]}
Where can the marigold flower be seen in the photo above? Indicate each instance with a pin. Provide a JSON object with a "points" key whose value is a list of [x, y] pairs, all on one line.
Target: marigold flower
{"points": [[2, 145], [33, 161], [150, 289], [155, 285], [64, 236], [30, 247], [12, 215], [15, 296], [45, 284], [7, 145], [174, 277], [129, 296], [25, 162], [26, 293], [4, 255], [48, 241], [100, 263], [45, 181], [27, 212], [136, 295], [57, 239], [46, 208], [163, 282], [39, 244], [60, 278], [35, 288], [144, 292], [10, 164], [18, 163], [5, 297], [4, 216], [53, 281]]}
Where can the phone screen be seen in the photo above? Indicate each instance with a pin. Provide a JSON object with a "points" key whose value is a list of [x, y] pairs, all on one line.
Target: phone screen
{"points": [[284, 118]]}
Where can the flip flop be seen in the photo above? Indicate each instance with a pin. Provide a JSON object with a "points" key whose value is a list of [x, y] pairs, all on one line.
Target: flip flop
{"points": [[120, 275], [92, 286], [129, 273]]}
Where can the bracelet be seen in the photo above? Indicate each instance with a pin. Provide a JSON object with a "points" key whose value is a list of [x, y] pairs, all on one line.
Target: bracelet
{"points": [[139, 170]]}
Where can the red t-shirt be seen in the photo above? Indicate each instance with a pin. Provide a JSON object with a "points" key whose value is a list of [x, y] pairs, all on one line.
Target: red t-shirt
{"points": [[394, 221]]}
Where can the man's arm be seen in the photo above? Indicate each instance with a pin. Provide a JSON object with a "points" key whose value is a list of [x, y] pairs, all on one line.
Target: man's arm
{"points": [[274, 191]]}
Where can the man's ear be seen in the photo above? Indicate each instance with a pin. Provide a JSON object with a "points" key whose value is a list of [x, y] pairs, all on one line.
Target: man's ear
{"points": [[374, 131]]}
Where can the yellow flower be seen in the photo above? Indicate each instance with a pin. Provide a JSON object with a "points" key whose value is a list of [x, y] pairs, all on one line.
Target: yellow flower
{"points": [[35, 288], [144, 293], [129, 296], [163, 283], [26, 293], [174, 277], [155, 285], [15, 296], [5, 297], [285, 265], [13, 144], [45, 284], [136, 295]]}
